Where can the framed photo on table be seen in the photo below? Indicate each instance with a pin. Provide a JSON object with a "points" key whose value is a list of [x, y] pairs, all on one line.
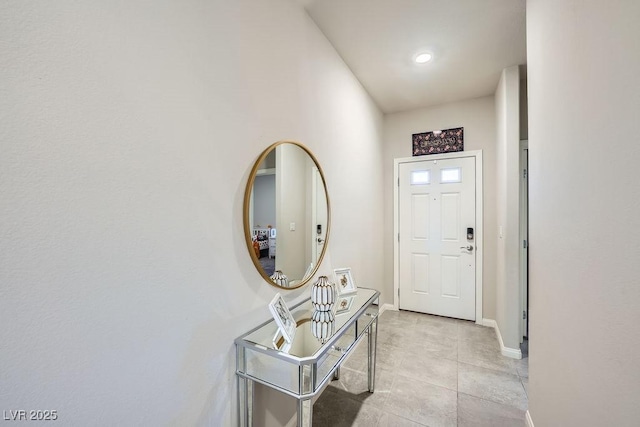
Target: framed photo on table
{"points": [[344, 281], [343, 303], [285, 321]]}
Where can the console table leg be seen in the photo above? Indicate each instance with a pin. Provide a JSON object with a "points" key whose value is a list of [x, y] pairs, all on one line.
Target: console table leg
{"points": [[372, 338], [305, 413], [245, 402]]}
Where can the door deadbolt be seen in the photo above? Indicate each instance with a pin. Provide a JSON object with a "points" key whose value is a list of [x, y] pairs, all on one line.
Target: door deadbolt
{"points": [[469, 233]]}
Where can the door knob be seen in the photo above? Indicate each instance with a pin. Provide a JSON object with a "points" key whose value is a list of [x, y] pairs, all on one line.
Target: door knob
{"points": [[468, 247]]}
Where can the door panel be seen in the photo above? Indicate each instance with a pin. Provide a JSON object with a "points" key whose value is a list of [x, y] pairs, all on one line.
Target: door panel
{"points": [[420, 273], [450, 217], [436, 205], [450, 276], [420, 217]]}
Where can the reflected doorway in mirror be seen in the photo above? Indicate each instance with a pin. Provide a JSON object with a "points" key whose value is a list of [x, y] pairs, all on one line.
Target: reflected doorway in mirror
{"points": [[286, 186]]}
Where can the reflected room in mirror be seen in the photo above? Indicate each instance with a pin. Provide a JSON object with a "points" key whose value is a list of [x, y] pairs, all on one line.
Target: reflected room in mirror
{"points": [[286, 214]]}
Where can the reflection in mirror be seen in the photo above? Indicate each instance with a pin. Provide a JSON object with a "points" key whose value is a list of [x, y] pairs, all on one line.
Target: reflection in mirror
{"points": [[286, 214]]}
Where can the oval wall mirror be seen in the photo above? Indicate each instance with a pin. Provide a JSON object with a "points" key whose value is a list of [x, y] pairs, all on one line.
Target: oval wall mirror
{"points": [[286, 214]]}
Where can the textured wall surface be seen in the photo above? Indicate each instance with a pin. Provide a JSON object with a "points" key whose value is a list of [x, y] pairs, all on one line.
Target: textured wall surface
{"points": [[128, 133], [584, 203]]}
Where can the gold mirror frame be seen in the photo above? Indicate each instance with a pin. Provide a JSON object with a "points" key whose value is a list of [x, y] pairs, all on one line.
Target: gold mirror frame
{"points": [[247, 229]]}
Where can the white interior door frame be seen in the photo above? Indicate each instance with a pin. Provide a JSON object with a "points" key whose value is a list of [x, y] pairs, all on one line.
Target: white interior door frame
{"points": [[524, 237], [316, 179], [477, 155]]}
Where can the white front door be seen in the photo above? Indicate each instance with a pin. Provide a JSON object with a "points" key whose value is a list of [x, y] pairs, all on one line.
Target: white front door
{"points": [[437, 261]]}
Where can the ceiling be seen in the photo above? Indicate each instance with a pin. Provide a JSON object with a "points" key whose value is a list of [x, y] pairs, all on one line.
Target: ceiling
{"points": [[471, 42]]}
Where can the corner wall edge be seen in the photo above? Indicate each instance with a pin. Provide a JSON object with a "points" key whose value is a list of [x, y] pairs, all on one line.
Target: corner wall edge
{"points": [[514, 353]]}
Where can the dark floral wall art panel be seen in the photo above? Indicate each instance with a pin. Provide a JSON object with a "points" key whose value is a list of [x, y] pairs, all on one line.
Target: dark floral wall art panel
{"points": [[437, 142]]}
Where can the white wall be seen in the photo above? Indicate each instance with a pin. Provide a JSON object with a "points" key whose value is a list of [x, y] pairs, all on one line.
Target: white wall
{"points": [[508, 206], [584, 103], [128, 133], [477, 116]]}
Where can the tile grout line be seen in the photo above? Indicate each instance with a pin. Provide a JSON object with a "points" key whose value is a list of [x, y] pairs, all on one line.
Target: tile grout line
{"points": [[496, 403], [491, 369]]}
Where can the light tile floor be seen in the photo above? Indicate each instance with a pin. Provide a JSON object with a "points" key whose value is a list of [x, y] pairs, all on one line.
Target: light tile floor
{"points": [[431, 371]]}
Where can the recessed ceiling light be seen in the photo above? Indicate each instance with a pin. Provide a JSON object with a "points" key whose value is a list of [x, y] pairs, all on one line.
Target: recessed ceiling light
{"points": [[422, 58]]}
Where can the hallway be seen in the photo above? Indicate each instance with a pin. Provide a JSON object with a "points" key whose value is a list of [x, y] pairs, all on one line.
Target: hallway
{"points": [[431, 371]]}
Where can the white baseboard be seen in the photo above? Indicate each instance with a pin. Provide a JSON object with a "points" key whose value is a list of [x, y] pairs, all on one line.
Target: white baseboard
{"points": [[490, 323], [513, 353], [528, 419], [385, 307]]}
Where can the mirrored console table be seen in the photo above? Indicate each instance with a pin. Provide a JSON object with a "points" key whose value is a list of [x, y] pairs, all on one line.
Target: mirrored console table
{"points": [[304, 367]]}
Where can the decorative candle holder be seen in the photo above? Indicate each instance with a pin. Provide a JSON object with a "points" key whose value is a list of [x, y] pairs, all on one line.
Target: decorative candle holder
{"points": [[323, 325], [323, 294], [280, 279]]}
